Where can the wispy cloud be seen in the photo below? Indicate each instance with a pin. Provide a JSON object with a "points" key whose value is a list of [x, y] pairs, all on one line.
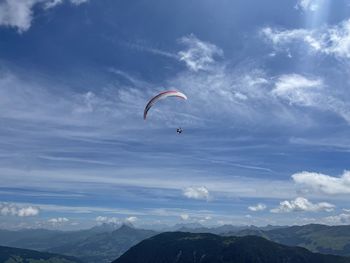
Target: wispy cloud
{"points": [[329, 40], [199, 55], [52, 3], [324, 183], [301, 204], [66, 209], [153, 50], [79, 2], [311, 92], [338, 141], [232, 91], [149, 180], [31, 102], [297, 89], [308, 5]]}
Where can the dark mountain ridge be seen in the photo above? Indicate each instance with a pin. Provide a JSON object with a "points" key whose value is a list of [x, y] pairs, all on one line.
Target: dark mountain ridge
{"points": [[315, 237], [182, 247], [12, 255], [218, 229]]}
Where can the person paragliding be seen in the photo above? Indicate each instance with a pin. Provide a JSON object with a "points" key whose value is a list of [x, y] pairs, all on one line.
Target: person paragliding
{"points": [[161, 96]]}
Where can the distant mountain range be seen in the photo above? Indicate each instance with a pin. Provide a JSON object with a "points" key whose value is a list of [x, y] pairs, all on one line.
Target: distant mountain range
{"points": [[100, 244], [13, 255], [219, 230], [180, 247], [43, 239], [317, 238], [104, 243], [105, 247]]}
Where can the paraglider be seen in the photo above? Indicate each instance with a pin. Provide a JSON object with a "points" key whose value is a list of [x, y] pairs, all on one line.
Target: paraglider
{"points": [[164, 95], [160, 96]]}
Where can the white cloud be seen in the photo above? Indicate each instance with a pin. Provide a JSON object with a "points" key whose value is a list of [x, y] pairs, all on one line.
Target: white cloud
{"points": [[240, 96], [109, 220], [19, 13], [52, 3], [329, 40], [199, 193], [324, 183], [78, 2], [282, 37], [297, 89], [341, 219], [131, 219], [184, 217], [204, 220], [59, 220], [301, 204], [8, 209], [115, 220], [258, 207], [101, 218], [311, 92], [336, 40], [28, 211], [199, 55], [308, 5]]}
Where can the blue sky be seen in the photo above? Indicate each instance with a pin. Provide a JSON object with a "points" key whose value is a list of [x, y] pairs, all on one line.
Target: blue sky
{"points": [[266, 123]]}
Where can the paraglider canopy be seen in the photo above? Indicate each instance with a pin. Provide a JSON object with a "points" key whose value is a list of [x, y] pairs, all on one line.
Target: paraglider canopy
{"points": [[160, 96]]}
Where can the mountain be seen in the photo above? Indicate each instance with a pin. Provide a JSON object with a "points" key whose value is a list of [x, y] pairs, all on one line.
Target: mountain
{"points": [[317, 238], [100, 244], [105, 227], [43, 239], [182, 247], [105, 247], [104, 243], [197, 228], [13, 255], [184, 226]]}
